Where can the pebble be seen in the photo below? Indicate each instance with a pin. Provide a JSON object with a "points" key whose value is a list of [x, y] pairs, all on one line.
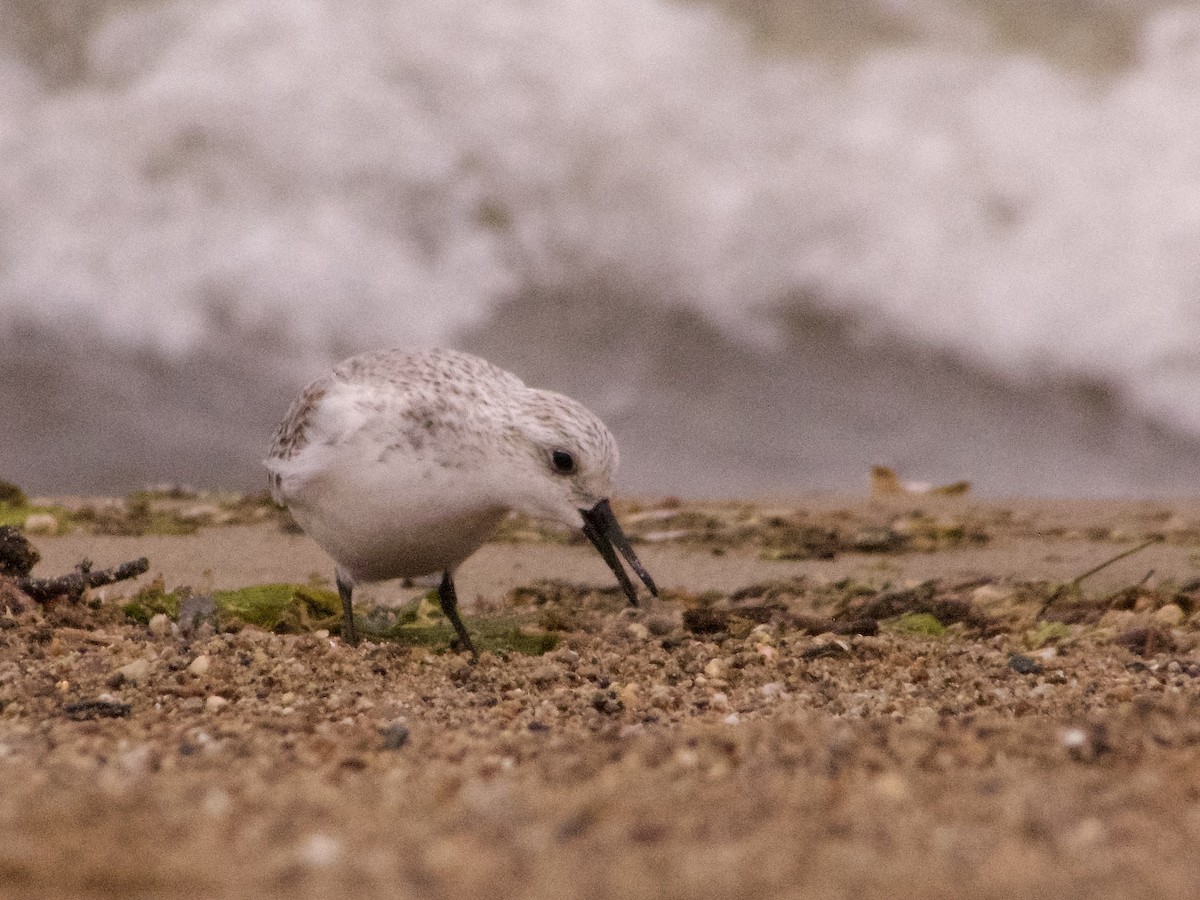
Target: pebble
{"points": [[41, 523], [991, 594], [1170, 616], [215, 703], [135, 671], [160, 625], [637, 631], [661, 696], [196, 610], [200, 664], [1025, 665], [660, 626], [1073, 738], [762, 634], [395, 735], [687, 758]]}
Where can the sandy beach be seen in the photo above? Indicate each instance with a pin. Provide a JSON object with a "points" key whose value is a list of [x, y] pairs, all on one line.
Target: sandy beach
{"points": [[833, 697]]}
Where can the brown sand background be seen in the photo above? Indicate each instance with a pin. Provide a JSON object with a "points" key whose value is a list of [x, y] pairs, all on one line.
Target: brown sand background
{"points": [[638, 759]]}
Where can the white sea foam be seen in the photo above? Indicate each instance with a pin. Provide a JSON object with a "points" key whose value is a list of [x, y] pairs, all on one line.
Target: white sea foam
{"points": [[386, 172]]}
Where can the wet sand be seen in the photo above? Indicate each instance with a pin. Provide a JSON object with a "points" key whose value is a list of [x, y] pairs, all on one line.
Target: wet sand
{"points": [[655, 752]]}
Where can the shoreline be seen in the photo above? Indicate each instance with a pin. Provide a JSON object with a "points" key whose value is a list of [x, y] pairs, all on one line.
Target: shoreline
{"points": [[891, 723]]}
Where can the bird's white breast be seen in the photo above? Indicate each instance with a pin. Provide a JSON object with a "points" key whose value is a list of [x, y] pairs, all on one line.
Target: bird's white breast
{"points": [[385, 495]]}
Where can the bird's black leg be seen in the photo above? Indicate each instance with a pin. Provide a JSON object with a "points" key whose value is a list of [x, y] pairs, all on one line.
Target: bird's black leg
{"points": [[345, 586], [449, 601]]}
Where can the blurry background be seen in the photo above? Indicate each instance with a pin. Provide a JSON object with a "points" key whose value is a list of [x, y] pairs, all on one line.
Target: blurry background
{"points": [[771, 242]]}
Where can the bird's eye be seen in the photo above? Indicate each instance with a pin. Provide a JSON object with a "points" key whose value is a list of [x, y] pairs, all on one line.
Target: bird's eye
{"points": [[563, 462]]}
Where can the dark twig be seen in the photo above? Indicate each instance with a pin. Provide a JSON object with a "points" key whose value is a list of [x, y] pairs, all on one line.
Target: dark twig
{"points": [[1074, 583], [1157, 539], [75, 583], [96, 709]]}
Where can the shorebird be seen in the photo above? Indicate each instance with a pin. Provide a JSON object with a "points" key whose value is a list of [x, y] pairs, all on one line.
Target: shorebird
{"points": [[401, 464]]}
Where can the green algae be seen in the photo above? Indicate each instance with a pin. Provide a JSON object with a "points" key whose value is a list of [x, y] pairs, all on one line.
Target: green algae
{"points": [[152, 600], [1046, 633], [17, 514], [290, 608], [918, 623], [298, 608], [422, 624]]}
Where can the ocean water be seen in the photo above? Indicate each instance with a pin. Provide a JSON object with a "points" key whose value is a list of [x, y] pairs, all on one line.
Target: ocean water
{"points": [[772, 244]]}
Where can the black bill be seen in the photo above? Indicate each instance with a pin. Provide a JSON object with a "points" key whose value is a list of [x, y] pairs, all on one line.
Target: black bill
{"points": [[601, 528]]}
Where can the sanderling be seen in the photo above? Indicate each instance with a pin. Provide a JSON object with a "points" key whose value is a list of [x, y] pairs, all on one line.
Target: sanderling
{"points": [[401, 464]]}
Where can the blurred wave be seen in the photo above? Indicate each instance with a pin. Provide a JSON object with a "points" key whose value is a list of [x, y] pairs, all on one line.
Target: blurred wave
{"points": [[934, 233]]}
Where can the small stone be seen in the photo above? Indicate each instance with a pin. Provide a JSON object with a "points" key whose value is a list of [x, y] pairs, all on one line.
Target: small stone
{"points": [[732, 719], [991, 594], [661, 696], [637, 631], [687, 758], [719, 700], [714, 668], [1169, 616], [660, 626], [1085, 744], [200, 664], [160, 625], [772, 689], [135, 672], [762, 634], [395, 735], [196, 610], [1024, 665], [215, 703], [41, 523]]}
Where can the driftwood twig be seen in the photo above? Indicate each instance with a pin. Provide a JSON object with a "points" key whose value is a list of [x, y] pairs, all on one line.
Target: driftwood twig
{"points": [[1075, 582], [75, 583]]}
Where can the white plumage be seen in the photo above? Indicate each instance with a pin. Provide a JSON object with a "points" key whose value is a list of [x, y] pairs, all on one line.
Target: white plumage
{"points": [[403, 463]]}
